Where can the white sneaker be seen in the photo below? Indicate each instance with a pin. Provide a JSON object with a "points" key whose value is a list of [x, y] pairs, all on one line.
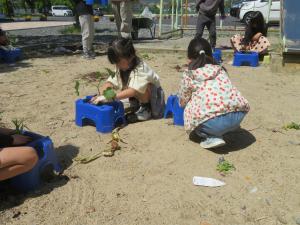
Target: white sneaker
{"points": [[143, 113], [212, 142]]}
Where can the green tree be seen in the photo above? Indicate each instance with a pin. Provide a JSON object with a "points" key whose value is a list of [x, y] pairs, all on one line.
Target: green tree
{"points": [[8, 8]]}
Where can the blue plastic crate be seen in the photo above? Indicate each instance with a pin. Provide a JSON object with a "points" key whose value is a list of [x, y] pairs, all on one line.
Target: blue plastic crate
{"points": [[105, 116], [31, 180], [217, 54], [175, 109], [101, 2], [11, 56], [245, 59]]}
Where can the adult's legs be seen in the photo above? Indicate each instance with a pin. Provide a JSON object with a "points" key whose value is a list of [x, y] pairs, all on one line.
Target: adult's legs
{"points": [[201, 23], [91, 33], [16, 160], [211, 26], [116, 10], [126, 17], [85, 27]]}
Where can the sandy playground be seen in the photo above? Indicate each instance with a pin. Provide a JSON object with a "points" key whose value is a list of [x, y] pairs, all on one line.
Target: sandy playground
{"points": [[149, 181]]}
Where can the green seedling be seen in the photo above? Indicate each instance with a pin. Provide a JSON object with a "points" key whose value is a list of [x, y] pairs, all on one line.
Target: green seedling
{"points": [[146, 56], [93, 77], [109, 94], [292, 125], [110, 72], [77, 85], [225, 167], [19, 125]]}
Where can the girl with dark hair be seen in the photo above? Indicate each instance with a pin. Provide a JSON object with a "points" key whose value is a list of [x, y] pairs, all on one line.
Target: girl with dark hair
{"points": [[135, 80], [213, 106], [255, 36]]}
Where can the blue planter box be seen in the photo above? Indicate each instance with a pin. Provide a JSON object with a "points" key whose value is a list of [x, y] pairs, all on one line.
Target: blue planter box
{"points": [[31, 180]]}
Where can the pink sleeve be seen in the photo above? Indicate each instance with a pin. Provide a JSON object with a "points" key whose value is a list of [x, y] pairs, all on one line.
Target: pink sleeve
{"points": [[185, 90]]}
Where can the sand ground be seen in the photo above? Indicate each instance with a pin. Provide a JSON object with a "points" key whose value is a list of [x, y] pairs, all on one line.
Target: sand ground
{"points": [[149, 181]]}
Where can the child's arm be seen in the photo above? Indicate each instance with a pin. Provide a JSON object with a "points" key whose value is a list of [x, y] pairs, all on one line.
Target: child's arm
{"points": [[256, 37], [185, 90], [127, 93]]}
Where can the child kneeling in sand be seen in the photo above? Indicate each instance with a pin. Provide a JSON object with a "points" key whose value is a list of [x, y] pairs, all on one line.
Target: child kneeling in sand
{"points": [[213, 106], [135, 80], [15, 158]]}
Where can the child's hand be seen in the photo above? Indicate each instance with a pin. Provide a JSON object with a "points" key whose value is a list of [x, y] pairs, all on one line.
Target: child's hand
{"points": [[97, 99], [20, 139]]}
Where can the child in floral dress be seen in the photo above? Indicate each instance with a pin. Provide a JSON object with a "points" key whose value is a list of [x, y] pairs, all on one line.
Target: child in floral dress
{"points": [[213, 106]]}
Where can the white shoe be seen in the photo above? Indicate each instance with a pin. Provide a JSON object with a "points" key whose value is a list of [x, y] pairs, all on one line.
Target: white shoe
{"points": [[143, 113], [212, 142]]}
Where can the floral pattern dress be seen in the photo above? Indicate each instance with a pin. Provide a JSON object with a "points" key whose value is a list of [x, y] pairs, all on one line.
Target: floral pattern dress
{"points": [[206, 93], [260, 46]]}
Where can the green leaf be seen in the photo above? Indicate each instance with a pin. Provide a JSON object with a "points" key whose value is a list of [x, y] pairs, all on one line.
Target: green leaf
{"points": [[292, 125], [109, 94], [77, 84], [225, 167], [110, 72], [98, 75]]}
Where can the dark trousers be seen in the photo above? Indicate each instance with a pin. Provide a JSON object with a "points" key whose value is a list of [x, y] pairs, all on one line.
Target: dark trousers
{"points": [[209, 22]]}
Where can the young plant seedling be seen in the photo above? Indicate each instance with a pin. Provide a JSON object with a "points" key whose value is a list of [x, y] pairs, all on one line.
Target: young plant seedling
{"points": [[224, 167], [19, 125], [110, 72], [92, 78], [292, 125], [146, 56], [77, 85]]}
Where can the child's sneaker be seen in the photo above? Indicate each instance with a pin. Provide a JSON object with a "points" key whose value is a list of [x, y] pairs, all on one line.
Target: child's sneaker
{"points": [[144, 113], [212, 142]]}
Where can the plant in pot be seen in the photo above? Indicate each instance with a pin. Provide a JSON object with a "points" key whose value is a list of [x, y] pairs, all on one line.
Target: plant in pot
{"points": [[109, 93]]}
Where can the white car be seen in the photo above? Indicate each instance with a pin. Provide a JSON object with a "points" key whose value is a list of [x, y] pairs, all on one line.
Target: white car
{"points": [[261, 6], [61, 10]]}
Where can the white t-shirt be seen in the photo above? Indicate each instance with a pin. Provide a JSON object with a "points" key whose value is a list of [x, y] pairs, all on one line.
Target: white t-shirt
{"points": [[139, 78]]}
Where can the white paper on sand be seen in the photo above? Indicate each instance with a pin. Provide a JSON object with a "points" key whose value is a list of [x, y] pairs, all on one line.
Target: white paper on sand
{"points": [[207, 181]]}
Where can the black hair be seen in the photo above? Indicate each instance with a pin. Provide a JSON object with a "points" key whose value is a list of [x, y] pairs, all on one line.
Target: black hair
{"points": [[256, 18], [122, 49], [200, 53], [255, 25]]}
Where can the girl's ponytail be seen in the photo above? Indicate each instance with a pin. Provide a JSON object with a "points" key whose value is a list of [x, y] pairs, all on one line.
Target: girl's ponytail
{"points": [[200, 53]]}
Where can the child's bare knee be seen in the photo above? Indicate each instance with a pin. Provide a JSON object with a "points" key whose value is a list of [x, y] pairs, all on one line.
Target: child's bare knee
{"points": [[31, 157]]}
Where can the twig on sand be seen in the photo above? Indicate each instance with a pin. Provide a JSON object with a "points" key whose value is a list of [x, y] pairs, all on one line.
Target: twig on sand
{"points": [[254, 128], [261, 218]]}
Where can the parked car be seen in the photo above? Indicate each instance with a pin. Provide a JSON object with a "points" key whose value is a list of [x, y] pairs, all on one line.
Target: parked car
{"points": [[261, 6], [236, 6], [61, 10], [98, 12]]}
